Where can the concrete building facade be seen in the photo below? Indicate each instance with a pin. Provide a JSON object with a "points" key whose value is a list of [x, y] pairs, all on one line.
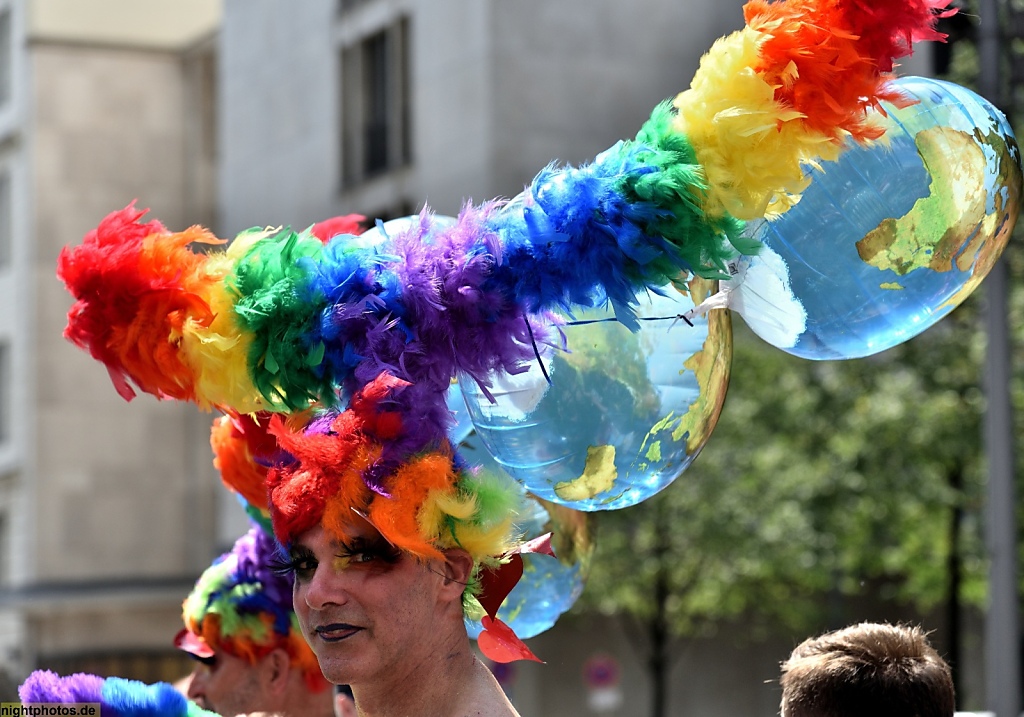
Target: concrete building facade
{"points": [[263, 112], [107, 511], [477, 96]]}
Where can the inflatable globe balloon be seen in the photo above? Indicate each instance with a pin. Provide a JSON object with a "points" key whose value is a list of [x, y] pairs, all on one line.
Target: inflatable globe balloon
{"points": [[617, 416], [550, 585], [890, 238], [462, 426]]}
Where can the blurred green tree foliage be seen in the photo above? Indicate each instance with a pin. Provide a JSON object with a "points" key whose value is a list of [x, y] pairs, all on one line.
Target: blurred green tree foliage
{"points": [[825, 481], [822, 481]]}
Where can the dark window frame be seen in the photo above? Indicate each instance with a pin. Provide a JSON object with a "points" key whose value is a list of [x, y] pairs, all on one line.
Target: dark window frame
{"points": [[375, 104], [6, 218], [6, 57], [6, 388]]}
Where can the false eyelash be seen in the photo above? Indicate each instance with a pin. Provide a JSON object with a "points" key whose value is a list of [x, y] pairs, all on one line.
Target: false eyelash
{"points": [[378, 549], [284, 568], [288, 566]]}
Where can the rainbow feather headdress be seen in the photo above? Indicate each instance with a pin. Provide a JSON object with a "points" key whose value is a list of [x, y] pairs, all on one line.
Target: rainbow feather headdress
{"points": [[242, 606], [315, 469], [116, 697], [357, 339]]}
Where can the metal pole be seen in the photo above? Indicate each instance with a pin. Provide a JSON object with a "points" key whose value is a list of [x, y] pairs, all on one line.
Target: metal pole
{"points": [[1002, 648]]}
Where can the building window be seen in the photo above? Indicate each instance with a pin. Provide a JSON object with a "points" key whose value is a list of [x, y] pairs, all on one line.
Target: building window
{"points": [[5, 393], [206, 98], [375, 104], [6, 59], [6, 225], [200, 64], [345, 6], [5, 549]]}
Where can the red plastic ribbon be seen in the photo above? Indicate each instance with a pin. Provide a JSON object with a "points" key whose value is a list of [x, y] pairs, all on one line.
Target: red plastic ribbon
{"points": [[498, 642]]}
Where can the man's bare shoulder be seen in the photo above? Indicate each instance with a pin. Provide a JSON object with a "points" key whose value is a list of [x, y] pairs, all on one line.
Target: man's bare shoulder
{"points": [[486, 698]]}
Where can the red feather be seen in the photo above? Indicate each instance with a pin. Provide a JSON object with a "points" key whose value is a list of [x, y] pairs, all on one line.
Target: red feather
{"points": [[345, 224], [842, 51]]}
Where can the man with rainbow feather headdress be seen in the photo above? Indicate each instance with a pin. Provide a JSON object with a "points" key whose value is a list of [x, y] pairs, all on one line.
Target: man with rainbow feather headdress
{"points": [[342, 349], [239, 627], [242, 632]]}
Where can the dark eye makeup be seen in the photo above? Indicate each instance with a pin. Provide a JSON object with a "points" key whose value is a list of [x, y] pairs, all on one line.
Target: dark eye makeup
{"points": [[302, 563], [299, 563], [361, 550]]}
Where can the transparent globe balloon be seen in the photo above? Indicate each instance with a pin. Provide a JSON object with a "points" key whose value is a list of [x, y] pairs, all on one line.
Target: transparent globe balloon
{"points": [[890, 238], [624, 413], [550, 585], [463, 425]]}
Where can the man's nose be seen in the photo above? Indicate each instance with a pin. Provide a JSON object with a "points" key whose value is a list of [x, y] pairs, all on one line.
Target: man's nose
{"points": [[197, 685], [327, 586]]}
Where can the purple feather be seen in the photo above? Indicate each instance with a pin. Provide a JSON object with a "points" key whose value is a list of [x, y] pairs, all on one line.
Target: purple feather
{"points": [[254, 555], [46, 686]]}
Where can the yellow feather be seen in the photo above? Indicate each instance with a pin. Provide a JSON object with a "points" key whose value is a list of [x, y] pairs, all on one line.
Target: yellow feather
{"points": [[754, 151], [430, 517], [481, 541], [218, 353]]}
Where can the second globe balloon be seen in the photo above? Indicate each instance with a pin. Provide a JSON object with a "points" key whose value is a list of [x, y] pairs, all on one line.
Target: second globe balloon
{"points": [[619, 415], [550, 585]]}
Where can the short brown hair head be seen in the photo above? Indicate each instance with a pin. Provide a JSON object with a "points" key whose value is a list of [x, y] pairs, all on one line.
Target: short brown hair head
{"points": [[867, 669]]}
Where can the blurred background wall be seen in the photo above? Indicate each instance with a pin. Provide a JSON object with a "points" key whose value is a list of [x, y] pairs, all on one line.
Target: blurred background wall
{"points": [[263, 112]]}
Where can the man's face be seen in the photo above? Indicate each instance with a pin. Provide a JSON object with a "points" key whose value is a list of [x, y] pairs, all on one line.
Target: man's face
{"points": [[368, 610], [226, 685]]}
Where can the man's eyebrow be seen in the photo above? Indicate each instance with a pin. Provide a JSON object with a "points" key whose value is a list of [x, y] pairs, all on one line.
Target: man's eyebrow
{"points": [[352, 545], [297, 547]]}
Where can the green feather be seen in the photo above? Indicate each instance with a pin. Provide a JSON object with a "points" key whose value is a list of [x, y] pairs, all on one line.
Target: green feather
{"points": [[275, 304], [678, 185]]}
